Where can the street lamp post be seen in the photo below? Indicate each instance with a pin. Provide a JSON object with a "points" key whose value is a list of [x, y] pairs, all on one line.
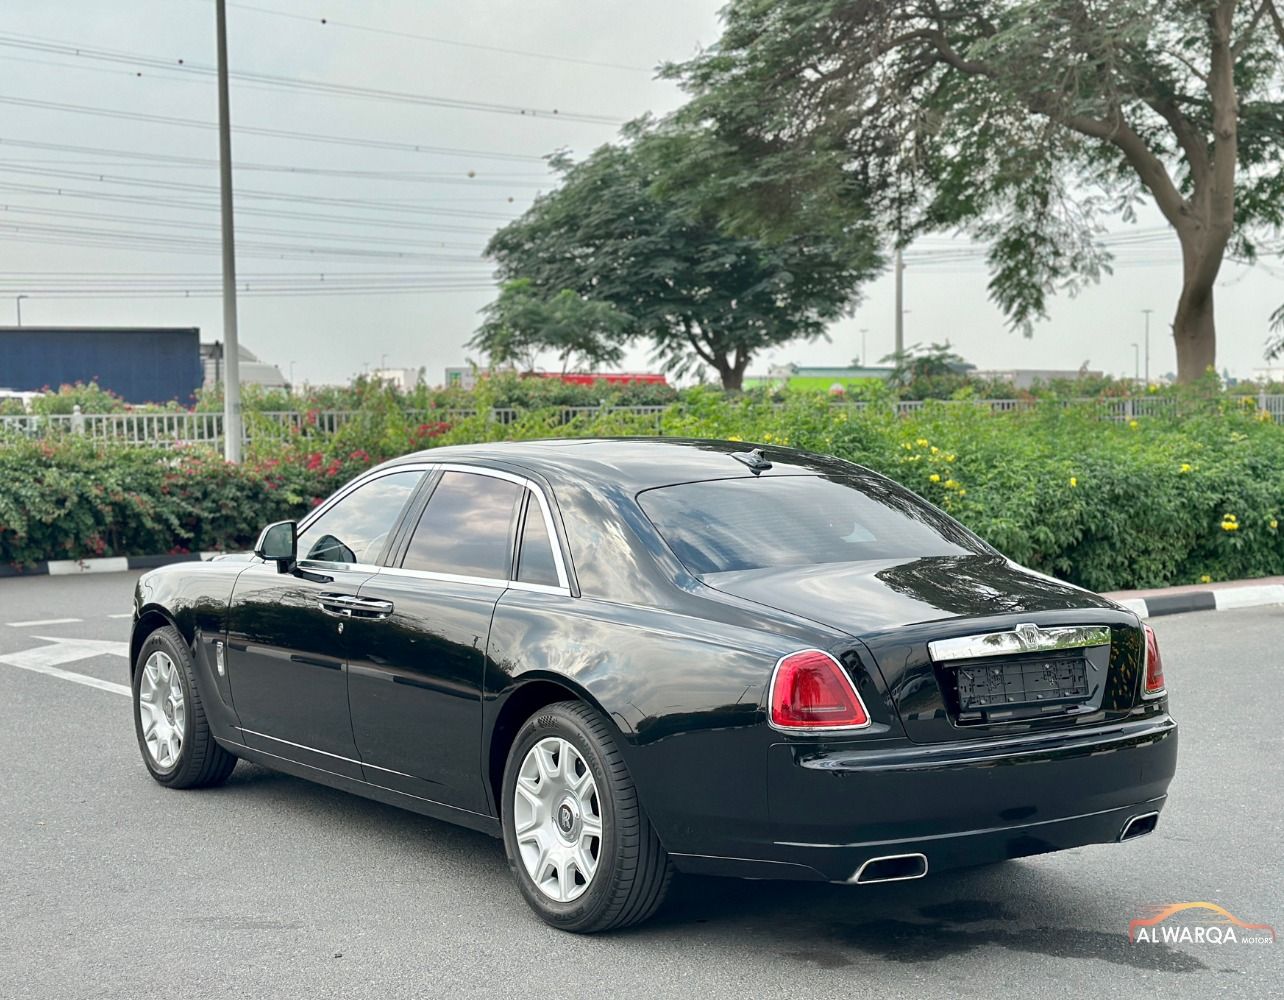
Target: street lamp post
{"points": [[863, 357], [18, 302], [1136, 362], [1147, 313], [231, 343]]}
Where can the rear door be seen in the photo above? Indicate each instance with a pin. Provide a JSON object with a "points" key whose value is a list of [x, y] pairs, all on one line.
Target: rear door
{"points": [[415, 678], [286, 642]]}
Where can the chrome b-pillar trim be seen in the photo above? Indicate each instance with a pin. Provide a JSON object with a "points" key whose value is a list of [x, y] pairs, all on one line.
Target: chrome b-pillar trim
{"points": [[1025, 638]]}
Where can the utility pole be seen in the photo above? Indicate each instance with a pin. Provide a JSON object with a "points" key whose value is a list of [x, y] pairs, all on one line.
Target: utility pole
{"points": [[1136, 362], [231, 345], [1147, 313], [864, 358], [18, 302], [900, 303]]}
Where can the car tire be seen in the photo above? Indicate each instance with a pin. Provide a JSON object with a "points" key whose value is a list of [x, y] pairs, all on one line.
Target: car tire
{"points": [[565, 776], [169, 719]]}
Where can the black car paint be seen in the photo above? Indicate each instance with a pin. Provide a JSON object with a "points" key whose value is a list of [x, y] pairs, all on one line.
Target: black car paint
{"points": [[680, 666]]}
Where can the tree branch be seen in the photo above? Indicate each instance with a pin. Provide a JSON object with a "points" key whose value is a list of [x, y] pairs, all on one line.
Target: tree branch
{"points": [[1247, 36]]}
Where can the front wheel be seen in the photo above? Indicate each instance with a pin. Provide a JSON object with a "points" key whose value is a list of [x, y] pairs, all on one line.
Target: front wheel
{"points": [[169, 719], [584, 853]]}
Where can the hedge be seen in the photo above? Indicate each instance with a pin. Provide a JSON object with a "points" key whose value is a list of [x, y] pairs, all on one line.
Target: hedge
{"points": [[1153, 502]]}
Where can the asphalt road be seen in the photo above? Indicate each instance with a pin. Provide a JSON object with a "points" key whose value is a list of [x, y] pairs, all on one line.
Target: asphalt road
{"points": [[274, 887]]}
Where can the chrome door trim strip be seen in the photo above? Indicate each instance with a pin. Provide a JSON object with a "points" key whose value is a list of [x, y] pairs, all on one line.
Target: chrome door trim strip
{"points": [[323, 753], [1025, 638]]}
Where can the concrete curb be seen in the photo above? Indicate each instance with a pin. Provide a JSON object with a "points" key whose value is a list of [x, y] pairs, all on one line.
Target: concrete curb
{"points": [[1220, 599], [114, 564]]}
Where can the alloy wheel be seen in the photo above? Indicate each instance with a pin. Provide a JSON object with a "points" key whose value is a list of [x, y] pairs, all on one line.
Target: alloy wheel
{"points": [[162, 709], [557, 818]]}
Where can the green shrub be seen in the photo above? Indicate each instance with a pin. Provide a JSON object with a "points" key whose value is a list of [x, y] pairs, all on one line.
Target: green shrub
{"points": [[1182, 498]]}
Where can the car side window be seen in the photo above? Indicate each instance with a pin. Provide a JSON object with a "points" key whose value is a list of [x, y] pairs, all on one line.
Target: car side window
{"points": [[355, 528], [467, 527], [535, 563]]}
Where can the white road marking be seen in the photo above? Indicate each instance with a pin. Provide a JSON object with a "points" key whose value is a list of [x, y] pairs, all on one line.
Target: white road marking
{"points": [[127, 614], [43, 621], [46, 660], [68, 675]]}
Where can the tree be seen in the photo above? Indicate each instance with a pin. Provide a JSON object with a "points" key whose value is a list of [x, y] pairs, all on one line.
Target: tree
{"points": [[521, 324], [609, 235], [1020, 122]]}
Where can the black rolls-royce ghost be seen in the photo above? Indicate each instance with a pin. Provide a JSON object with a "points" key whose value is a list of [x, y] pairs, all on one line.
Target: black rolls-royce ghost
{"points": [[629, 657]]}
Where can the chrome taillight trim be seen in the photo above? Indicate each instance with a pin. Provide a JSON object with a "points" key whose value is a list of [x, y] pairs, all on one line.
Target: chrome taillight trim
{"points": [[803, 730], [1025, 638]]}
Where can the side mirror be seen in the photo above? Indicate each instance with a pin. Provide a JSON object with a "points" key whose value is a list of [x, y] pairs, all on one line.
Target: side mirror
{"points": [[279, 543]]}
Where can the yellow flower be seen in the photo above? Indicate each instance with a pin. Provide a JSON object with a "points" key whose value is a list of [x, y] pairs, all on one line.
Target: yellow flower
{"points": [[962, 493], [907, 446], [935, 450], [1205, 579], [1273, 524], [934, 478], [1230, 526], [1152, 388], [1185, 467], [1229, 517], [766, 439], [732, 437], [949, 458], [921, 442], [951, 484], [1074, 481]]}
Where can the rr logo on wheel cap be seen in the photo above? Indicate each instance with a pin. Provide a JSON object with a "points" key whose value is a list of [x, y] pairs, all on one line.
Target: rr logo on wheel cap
{"points": [[565, 818]]}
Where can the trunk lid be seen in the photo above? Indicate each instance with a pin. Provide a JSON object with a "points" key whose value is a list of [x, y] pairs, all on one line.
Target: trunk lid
{"points": [[895, 608]]}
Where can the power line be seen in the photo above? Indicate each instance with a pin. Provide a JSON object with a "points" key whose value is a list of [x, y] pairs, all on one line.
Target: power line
{"points": [[35, 43], [138, 116], [167, 159], [185, 224], [328, 22], [248, 195]]}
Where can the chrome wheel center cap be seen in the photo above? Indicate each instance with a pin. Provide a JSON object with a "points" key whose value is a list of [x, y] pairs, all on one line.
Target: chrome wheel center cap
{"points": [[568, 821]]}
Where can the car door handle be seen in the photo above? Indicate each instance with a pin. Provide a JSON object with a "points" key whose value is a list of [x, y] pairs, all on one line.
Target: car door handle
{"points": [[348, 606]]}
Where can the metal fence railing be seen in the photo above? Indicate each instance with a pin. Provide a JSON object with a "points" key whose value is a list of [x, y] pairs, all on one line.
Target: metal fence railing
{"points": [[181, 428]]}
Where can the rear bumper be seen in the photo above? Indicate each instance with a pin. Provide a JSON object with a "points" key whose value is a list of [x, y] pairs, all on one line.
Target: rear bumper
{"points": [[832, 809]]}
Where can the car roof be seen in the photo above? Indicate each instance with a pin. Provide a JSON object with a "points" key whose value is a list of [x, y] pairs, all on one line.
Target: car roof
{"points": [[636, 464]]}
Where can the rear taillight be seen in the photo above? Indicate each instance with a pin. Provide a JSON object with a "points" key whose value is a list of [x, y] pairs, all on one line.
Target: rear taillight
{"points": [[811, 692], [1154, 684]]}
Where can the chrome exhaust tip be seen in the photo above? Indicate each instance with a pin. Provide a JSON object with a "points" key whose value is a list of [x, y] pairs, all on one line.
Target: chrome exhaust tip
{"points": [[891, 868], [1139, 826]]}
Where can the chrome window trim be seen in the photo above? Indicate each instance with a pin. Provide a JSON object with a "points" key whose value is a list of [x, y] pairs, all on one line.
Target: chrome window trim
{"points": [[1025, 638], [563, 588], [360, 481], [545, 509]]}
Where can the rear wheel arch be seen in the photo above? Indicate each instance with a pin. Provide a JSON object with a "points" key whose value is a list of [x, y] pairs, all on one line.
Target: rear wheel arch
{"points": [[524, 701]]}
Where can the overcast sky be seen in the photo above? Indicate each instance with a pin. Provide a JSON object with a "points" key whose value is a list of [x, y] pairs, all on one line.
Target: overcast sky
{"points": [[590, 61]]}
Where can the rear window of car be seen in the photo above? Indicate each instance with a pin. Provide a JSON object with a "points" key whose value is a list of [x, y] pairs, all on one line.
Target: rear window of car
{"points": [[741, 524]]}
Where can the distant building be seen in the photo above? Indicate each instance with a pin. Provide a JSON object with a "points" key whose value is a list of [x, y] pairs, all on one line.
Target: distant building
{"points": [[465, 377], [401, 379], [818, 377], [252, 371], [1025, 378], [138, 364]]}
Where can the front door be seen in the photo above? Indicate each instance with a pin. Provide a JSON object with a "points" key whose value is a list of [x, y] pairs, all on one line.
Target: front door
{"points": [[415, 679], [286, 649]]}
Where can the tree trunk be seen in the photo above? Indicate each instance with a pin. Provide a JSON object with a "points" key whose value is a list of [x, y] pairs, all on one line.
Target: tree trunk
{"points": [[1194, 326], [1194, 333], [732, 373]]}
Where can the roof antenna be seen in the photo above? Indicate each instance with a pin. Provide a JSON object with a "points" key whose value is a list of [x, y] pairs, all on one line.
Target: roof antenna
{"points": [[756, 460]]}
